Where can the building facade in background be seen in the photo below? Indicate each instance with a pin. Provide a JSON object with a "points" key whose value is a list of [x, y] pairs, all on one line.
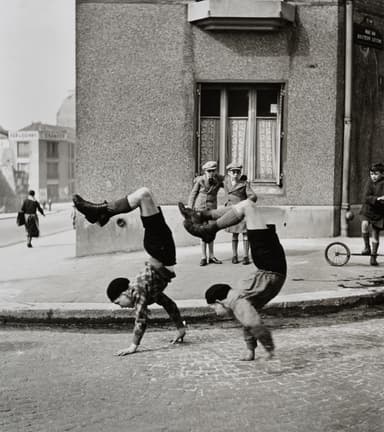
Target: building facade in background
{"points": [[164, 86], [66, 115], [44, 161]]}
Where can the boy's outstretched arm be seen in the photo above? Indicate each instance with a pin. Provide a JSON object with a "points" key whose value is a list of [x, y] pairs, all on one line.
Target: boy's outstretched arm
{"points": [[139, 329]]}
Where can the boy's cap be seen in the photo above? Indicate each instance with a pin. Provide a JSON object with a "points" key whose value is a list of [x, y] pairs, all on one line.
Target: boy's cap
{"points": [[234, 166], [217, 292], [210, 165], [379, 167], [116, 287]]}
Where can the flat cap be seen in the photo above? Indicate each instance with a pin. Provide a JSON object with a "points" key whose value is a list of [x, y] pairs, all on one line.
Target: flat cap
{"points": [[234, 166], [210, 165]]}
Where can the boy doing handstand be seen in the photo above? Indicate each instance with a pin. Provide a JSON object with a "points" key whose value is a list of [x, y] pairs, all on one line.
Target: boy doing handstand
{"points": [[148, 286], [251, 295]]}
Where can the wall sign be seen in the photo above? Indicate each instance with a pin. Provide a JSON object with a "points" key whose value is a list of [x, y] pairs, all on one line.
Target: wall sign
{"points": [[367, 35]]}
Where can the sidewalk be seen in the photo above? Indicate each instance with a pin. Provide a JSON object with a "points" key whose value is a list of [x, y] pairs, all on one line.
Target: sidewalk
{"points": [[56, 207], [49, 284]]}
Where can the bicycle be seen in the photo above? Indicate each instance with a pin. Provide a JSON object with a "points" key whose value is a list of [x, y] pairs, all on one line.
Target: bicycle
{"points": [[338, 254]]}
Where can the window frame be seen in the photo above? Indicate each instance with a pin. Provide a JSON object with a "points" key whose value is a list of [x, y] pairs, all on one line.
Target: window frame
{"points": [[27, 147], [224, 151], [54, 145], [52, 163]]}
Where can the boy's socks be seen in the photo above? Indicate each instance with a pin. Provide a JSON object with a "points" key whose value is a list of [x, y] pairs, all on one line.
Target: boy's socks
{"points": [[367, 247], [118, 206], [375, 247]]}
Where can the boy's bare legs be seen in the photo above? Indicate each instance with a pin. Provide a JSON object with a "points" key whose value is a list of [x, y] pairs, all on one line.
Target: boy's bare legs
{"points": [[143, 198]]}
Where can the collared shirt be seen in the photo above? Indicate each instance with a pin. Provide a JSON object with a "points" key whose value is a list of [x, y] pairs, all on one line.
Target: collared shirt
{"points": [[144, 290]]}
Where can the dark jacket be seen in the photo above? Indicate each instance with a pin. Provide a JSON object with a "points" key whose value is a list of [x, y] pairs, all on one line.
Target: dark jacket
{"points": [[373, 209], [31, 206], [238, 192], [204, 192]]}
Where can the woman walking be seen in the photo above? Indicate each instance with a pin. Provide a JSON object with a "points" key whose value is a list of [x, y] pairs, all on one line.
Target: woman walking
{"points": [[30, 207]]}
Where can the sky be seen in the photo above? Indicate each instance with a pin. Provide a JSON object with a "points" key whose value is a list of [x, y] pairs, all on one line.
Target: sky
{"points": [[37, 66]]}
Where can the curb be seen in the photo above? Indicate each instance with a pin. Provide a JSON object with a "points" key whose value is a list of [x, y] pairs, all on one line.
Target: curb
{"points": [[193, 311]]}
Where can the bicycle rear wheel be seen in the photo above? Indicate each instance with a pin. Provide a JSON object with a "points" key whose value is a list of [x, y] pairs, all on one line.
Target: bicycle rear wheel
{"points": [[337, 254]]}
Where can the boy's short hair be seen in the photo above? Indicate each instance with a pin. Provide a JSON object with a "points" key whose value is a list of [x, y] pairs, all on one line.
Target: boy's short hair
{"points": [[377, 167], [217, 292], [116, 287]]}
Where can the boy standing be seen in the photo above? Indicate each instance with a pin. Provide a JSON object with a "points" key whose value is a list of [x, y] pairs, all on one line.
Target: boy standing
{"points": [[372, 211], [268, 256], [148, 286]]}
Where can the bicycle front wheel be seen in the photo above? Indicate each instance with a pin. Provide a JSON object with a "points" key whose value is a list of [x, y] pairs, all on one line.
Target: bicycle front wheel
{"points": [[337, 254]]}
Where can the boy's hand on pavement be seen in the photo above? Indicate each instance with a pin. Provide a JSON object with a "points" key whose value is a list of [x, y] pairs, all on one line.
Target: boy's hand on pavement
{"points": [[130, 350]]}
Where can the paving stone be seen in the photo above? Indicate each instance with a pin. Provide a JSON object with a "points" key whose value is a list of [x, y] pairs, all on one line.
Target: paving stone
{"points": [[324, 378]]}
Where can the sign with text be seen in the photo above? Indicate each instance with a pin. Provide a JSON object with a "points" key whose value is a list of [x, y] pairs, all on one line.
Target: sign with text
{"points": [[367, 36]]}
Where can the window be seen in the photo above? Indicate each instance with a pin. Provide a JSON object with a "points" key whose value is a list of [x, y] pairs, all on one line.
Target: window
{"points": [[52, 149], [241, 123], [22, 149], [52, 170], [24, 167]]}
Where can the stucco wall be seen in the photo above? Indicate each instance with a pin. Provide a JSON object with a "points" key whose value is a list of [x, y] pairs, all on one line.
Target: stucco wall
{"points": [[134, 99], [137, 65], [305, 57]]}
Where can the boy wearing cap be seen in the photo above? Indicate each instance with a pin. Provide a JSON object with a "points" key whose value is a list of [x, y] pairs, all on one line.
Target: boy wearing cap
{"points": [[204, 197], [226, 301], [268, 256], [148, 286], [372, 211], [237, 189]]}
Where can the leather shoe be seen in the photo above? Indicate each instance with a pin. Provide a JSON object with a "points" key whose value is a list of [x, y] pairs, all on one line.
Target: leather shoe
{"points": [[189, 214], [203, 262], [246, 261], [214, 260], [235, 260], [206, 232], [94, 213]]}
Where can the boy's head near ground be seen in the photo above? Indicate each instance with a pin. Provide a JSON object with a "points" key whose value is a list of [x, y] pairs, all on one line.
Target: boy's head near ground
{"points": [[214, 296], [376, 171], [116, 292]]}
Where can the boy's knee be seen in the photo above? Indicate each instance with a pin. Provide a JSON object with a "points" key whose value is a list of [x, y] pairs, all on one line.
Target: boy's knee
{"points": [[144, 192]]}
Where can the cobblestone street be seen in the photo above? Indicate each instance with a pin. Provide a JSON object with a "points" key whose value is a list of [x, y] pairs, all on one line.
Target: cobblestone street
{"points": [[324, 378]]}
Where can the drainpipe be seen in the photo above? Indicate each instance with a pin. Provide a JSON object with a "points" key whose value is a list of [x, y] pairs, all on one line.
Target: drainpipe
{"points": [[345, 206]]}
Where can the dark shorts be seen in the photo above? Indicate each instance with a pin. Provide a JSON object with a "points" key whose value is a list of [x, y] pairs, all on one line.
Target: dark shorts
{"points": [[262, 287], [378, 223], [158, 239]]}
